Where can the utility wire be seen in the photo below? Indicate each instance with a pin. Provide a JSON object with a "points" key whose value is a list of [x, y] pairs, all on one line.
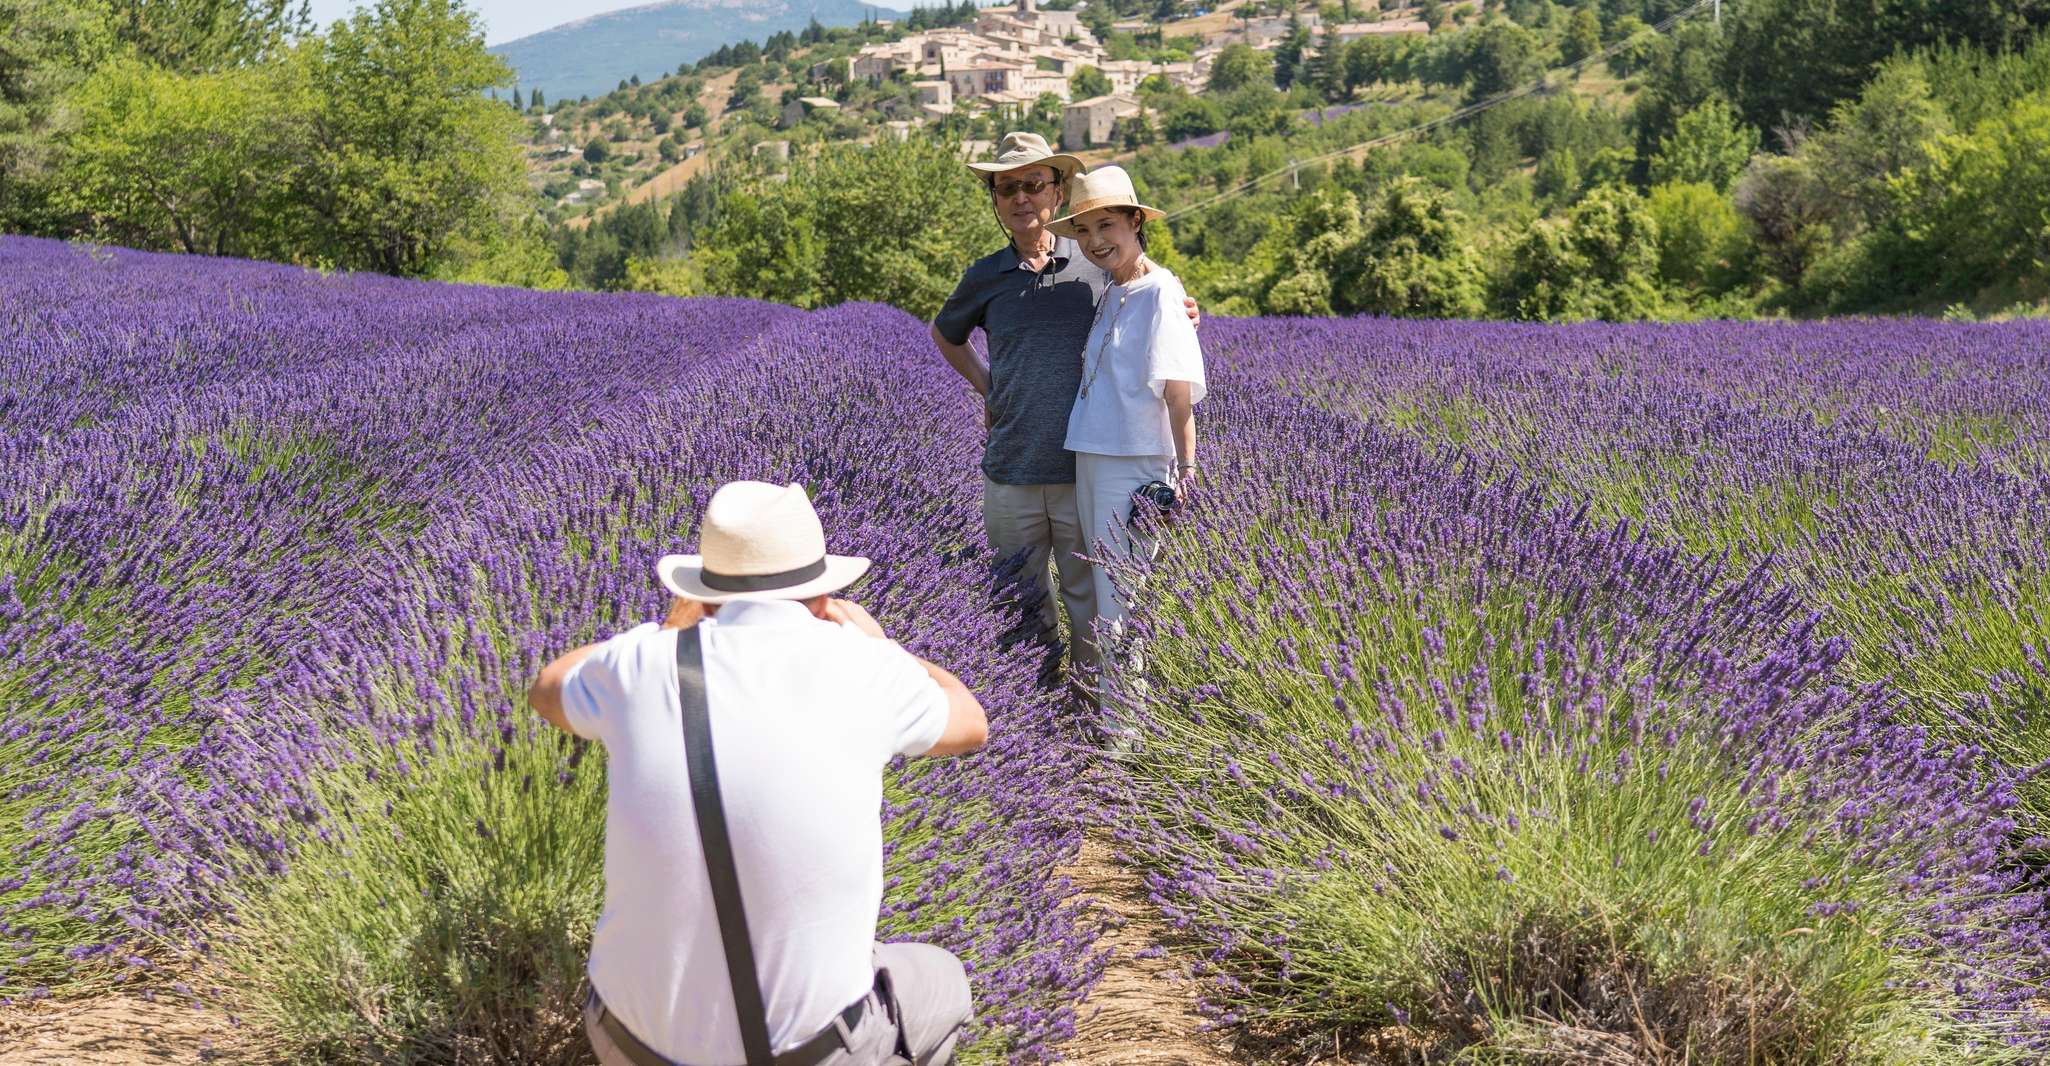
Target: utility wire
{"points": [[1543, 82]]}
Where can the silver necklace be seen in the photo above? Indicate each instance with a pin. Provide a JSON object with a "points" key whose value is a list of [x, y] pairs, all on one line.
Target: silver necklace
{"points": [[1096, 364]]}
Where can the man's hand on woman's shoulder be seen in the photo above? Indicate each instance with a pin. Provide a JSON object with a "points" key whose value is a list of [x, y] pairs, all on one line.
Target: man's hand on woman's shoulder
{"points": [[1195, 313]]}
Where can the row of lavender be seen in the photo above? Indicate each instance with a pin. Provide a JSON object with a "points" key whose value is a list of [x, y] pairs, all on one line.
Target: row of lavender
{"points": [[264, 529], [1503, 770], [1898, 472]]}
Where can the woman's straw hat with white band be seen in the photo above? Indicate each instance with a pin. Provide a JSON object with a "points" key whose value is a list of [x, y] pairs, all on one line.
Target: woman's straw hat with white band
{"points": [[759, 542], [1106, 186]]}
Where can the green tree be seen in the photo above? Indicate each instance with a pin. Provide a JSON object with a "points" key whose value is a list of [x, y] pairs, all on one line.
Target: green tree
{"points": [[1238, 66], [1682, 72], [190, 36], [515, 254], [810, 240], [1368, 60], [1886, 131], [1793, 60], [46, 47], [1597, 262], [1320, 229], [1288, 55], [1558, 176], [1503, 56], [597, 150], [1789, 211], [187, 162], [407, 155], [1699, 233], [1088, 83], [1608, 166], [1984, 223], [1636, 46], [1583, 35], [1133, 131], [1326, 73], [1413, 259], [1191, 116], [1708, 145]]}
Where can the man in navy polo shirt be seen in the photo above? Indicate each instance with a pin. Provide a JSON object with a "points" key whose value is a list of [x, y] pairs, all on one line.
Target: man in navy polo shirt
{"points": [[1035, 300]]}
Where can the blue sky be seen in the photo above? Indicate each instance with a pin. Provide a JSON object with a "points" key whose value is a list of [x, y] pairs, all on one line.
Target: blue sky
{"points": [[504, 20]]}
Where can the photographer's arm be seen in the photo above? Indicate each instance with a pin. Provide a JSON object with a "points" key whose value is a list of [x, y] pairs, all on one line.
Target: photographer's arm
{"points": [[967, 726], [545, 694]]}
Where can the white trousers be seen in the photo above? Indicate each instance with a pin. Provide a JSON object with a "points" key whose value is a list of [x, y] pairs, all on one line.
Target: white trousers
{"points": [[1103, 500]]}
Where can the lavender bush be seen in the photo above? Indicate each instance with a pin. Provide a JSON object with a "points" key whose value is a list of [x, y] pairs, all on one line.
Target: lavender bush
{"points": [[278, 598], [1897, 471], [1442, 757]]}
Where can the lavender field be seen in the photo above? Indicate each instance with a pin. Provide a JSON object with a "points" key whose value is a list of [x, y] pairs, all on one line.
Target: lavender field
{"points": [[1585, 693]]}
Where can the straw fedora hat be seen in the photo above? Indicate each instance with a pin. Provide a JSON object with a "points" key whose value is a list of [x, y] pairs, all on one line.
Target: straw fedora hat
{"points": [[759, 542], [1106, 186], [1024, 150]]}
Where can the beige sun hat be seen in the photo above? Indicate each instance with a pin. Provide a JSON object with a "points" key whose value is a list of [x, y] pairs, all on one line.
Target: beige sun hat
{"points": [[1022, 149], [1106, 186], [759, 542]]}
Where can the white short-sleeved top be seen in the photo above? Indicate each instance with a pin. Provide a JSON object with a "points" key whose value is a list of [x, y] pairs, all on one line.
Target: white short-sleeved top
{"points": [[1142, 340], [805, 715]]}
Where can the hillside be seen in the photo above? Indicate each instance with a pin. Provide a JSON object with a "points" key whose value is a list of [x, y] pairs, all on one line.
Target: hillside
{"points": [[593, 55]]}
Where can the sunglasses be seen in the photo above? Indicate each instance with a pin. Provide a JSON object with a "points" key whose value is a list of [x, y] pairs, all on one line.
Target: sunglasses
{"points": [[1008, 189]]}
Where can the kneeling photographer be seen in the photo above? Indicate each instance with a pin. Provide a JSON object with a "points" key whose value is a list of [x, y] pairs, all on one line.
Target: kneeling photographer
{"points": [[741, 892]]}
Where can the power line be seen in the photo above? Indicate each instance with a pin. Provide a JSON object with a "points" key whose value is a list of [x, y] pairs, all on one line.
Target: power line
{"points": [[1543, 82]]}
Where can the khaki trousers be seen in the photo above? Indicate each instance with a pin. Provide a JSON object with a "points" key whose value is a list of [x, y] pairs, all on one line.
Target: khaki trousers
{"points": [[914, 1013], [1042, 521]]}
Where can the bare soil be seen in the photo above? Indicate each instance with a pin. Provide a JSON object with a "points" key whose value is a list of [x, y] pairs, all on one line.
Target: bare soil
{"points": [[1139, 1013], [116, 1030]]}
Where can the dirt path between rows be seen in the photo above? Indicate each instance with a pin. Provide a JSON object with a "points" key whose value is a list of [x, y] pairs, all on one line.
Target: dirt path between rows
{"points": [[1138, 1015], [111, 1031]]}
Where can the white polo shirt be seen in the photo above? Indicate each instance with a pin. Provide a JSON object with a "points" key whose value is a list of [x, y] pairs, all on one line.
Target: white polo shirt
{"points": [[805, 715]]}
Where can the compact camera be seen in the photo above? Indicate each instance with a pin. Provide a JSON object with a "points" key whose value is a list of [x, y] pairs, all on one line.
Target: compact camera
{"points": [[1159, 494]]}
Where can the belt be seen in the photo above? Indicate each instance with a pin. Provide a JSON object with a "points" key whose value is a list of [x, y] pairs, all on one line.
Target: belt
{"points": [[810, 1053]]}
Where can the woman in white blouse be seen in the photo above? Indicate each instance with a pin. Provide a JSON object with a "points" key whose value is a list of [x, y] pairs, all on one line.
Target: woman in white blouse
{"points": [[1134, 418]]}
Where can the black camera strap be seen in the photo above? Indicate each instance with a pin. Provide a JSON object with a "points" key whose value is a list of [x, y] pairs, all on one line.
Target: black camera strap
{"points": [[750, 1011]]}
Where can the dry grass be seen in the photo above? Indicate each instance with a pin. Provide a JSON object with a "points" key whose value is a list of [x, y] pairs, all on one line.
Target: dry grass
{"points": [[113, 1031], [1139, 1014]]}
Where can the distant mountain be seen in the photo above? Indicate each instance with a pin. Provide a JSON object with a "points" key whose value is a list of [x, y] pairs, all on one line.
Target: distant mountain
{"points": [[592, 55]]}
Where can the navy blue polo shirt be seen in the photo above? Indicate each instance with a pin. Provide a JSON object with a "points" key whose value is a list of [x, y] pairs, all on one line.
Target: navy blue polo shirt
{"points": [[1036, 325]]}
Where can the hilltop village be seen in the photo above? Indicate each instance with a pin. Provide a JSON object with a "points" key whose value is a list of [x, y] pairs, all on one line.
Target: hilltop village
{"points": [[1012, 56], [1085, 79]]}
